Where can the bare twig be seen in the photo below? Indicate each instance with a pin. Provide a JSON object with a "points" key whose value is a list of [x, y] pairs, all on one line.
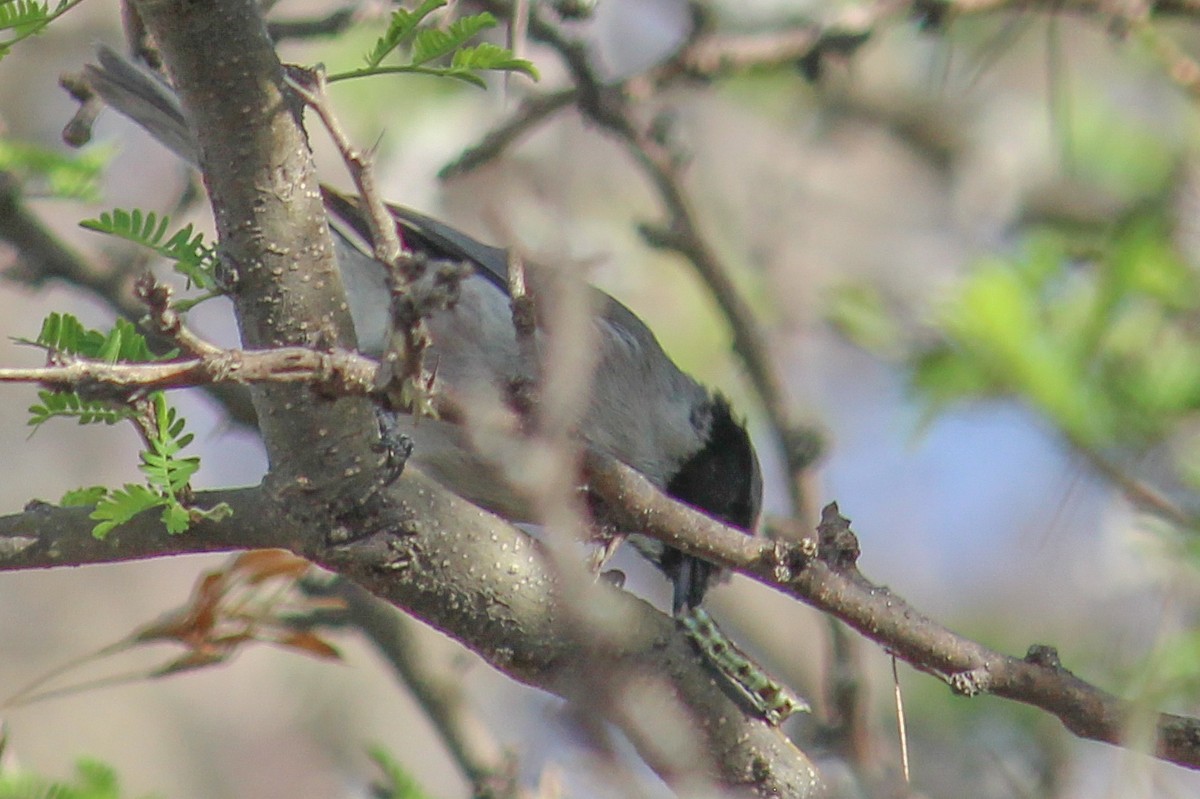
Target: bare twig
{"points": [[338, 371], [167, 321], [606, 106], [486, 584], [309, 85]]}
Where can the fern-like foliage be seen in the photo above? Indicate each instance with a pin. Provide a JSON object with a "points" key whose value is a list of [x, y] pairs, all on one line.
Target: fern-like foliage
{"points": [[190, 255], [64, 335], [25, 18], [69, 405], [66, 176], [433, 43], [168, 476], [119, 505], [401, 28], [427, 45], [164, 469], [168, 472]]}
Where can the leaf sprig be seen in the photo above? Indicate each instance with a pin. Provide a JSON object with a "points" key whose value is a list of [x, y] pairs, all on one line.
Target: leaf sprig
{"points": [[168, 473], [427, 44], [168, 480], [186, 248], [27, 18], [63, 335]]}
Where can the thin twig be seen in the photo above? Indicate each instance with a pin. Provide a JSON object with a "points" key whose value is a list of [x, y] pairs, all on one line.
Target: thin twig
{"points": [[607, 106], [43, 258], [342, 372], [309, 85]]}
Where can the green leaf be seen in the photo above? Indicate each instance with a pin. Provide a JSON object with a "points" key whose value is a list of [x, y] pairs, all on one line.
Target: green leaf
{"points": [[401, 28], [27, 18], [23, 15], [186, 249], [489, 56], [65, 334], [433, 43], [429, 45], [69, 405], [121, 505], [93, 780], [176, 518], [83, 497]]}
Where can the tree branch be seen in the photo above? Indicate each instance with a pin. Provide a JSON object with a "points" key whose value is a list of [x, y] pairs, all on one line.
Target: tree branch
{"points": [[337, 373], [828, 580], [491, 587]]}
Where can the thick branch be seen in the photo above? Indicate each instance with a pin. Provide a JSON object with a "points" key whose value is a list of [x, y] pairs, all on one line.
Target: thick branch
{"points": [[273, 235], [491, 587], [408, 541]]}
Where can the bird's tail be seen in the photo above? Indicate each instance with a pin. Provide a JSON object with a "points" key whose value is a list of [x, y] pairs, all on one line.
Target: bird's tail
{"points": [[144, 97]]}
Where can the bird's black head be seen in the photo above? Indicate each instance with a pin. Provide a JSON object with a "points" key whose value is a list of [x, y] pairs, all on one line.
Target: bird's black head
{"points": [[722, 478]]}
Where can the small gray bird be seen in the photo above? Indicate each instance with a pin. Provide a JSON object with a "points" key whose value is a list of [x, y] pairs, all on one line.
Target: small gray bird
{"points": [[642, 409]]}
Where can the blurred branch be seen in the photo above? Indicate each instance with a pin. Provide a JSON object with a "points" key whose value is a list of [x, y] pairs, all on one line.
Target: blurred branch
{"points": [[331, 24], [533, 111], [824, 575], [510, 617], [326, 495], [491, 771]]}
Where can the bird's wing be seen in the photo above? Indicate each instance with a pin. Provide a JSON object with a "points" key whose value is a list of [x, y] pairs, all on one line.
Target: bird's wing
{"points": [[426, 235]]}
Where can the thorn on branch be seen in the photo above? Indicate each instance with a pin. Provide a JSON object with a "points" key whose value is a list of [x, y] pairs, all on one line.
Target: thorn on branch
{"points": [[838, 546]]}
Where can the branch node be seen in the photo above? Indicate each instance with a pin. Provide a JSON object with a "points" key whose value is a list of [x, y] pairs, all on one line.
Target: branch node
{"points": [[1043, 655], [838, 546], [166, 320], [970, 683]]}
